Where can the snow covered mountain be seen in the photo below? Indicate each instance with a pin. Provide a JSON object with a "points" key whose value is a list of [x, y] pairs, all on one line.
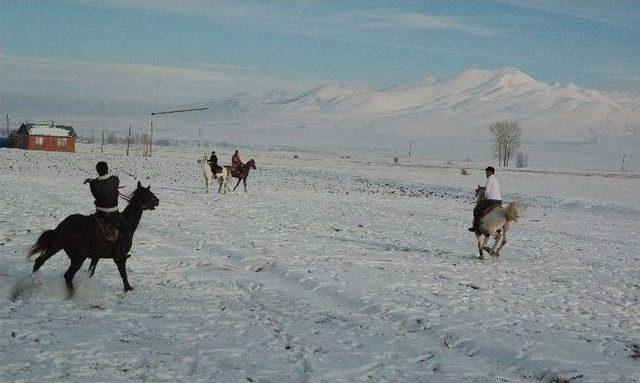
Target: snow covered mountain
{"points": [[460, 106], [456, 111]]}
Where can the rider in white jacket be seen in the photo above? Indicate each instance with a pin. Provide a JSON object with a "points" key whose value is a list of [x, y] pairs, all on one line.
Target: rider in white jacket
{"points": [[492, 188], [492, 197]]}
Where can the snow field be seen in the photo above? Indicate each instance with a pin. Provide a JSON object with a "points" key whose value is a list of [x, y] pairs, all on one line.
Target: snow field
{"points": [[328, 270]]}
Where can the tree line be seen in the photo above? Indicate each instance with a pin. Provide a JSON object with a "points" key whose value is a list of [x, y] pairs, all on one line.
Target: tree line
{"points": [[114, 138], [507, 139]]}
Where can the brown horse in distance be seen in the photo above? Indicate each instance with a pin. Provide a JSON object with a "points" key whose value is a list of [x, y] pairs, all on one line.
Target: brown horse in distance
{"points": [[242, 175], [81, 237]]}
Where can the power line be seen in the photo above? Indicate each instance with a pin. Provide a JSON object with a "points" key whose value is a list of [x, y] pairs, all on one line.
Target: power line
{"points": [[178, 111]]}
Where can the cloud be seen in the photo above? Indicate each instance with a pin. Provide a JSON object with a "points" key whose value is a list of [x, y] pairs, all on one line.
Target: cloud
{"points": [[621, 13], [421, 21], [313, 20], [39, 88]]}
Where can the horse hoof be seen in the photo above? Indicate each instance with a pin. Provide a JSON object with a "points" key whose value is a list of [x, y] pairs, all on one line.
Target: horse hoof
{"points": [[128, 288]]}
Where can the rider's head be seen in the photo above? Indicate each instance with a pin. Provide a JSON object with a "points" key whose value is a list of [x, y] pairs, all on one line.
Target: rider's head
{"points": [[102, 168], [490, 171], [213, 152], [236, 152]]}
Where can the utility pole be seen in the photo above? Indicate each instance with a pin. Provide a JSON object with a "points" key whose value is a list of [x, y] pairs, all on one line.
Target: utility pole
{"points": [[102, 144], [199, 136], [128, 140], [151, 141], [623, 154], [169, 112], [8, 131], [410, 142]]}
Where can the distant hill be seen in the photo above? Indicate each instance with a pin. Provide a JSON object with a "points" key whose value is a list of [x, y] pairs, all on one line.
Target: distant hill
{"points": [[460, 106]]}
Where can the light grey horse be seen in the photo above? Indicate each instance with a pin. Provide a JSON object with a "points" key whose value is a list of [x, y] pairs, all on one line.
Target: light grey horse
{"points": [[495, 224], [222, 177]]}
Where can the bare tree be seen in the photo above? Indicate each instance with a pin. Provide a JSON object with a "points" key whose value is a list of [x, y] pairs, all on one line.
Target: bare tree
{"points": [[522, 160], [112, 138], [146, 145], [507, 136]]}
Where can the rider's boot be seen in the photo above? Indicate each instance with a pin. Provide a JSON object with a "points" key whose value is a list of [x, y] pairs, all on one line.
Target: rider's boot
{"points": [[474, 227]]}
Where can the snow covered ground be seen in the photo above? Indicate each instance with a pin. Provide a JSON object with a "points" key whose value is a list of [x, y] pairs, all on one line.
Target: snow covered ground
{"points": [[329, 269]]}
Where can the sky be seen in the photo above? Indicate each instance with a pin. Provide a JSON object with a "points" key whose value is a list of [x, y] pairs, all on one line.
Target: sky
{"points": [[131, 55]]}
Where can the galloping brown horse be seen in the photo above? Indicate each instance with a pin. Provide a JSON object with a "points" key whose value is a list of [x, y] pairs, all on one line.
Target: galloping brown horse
{"points": [[242, 175], [81, 237]]}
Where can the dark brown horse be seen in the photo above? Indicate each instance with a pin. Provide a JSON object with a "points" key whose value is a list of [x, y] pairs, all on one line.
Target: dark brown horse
{"points": [[81, 237], [242, 175]]}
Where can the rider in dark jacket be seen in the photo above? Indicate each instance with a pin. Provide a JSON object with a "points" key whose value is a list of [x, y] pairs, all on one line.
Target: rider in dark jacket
{"points": [[104, 189], [213, 161]]}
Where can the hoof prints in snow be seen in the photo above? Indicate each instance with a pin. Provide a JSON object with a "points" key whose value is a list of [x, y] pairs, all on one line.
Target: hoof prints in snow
{"points": [[314, 276]]}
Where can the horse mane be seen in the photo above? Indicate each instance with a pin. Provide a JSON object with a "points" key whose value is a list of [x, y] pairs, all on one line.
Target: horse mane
{"points": [[130, 196]]}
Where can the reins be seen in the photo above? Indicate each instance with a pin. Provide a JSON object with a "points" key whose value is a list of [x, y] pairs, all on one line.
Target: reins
{"points": [[128, 199]]}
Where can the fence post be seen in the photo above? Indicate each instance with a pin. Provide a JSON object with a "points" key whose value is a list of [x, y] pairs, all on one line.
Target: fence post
{"points": [[128, 140], [151, 141]]}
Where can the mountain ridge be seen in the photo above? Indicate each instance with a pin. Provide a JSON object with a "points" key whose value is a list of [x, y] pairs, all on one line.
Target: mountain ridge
{"points": [[459, 105]]}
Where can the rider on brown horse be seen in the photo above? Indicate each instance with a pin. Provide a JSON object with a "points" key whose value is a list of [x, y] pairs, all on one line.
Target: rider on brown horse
{"points": [[105, 191], [213, 161], [236, 163], [492, 198]]}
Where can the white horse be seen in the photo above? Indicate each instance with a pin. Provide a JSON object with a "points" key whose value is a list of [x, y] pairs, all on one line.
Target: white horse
{"points": [[222, 177], [495, 224]]}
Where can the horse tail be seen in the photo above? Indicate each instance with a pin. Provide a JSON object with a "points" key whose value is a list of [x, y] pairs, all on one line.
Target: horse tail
{"points": [[47, 245], [514, 210]]}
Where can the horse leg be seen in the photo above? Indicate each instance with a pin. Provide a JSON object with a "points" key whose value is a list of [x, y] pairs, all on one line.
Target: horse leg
{"points": [[238, 183], [122, 269], [42, 259], [504, 242], [92, 266], [485, 243], [226, 186], [76, 263], [479, 239], [496, 240], [206, 182], [244, 182]]}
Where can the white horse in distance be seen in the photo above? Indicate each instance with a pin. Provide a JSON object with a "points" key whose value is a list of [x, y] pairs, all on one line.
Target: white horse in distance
{"points": [[495, 224], [222, 177]]}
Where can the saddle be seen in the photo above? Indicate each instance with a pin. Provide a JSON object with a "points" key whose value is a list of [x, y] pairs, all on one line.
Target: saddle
{"points": [[488, 209], [109, 232]]}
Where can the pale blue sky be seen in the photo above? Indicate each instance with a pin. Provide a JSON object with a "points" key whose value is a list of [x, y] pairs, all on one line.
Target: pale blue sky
{"points": [[594, 44]]}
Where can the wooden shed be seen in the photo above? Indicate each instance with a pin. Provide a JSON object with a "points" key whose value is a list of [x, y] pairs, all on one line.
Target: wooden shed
{"points": [[58, 138]]}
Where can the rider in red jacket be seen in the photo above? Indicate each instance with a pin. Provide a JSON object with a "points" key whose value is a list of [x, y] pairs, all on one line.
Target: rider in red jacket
{"points": [[236, 163]]}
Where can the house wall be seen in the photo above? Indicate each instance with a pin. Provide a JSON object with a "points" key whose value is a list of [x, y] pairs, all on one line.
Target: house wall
{"points": [[55, 144]]}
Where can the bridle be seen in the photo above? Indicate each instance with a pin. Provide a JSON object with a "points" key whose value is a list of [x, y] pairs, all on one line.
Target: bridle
{"points": [[128, 199]]}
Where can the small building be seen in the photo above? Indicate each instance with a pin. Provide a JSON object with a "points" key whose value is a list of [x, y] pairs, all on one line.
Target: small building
{"points": [[58, 138], [5, 142]]}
